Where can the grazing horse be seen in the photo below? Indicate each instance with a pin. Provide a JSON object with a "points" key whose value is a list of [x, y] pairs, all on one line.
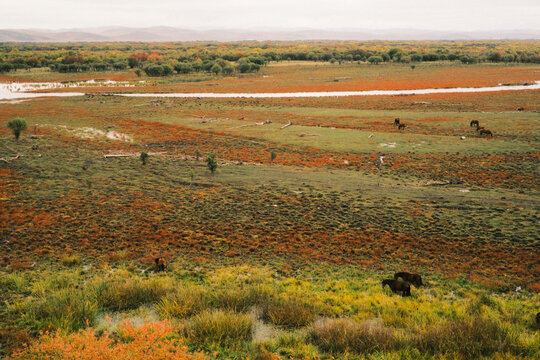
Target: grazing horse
{"points": [[401, 126], [396, 285], [161, 264], [486, 132], [475, 123], [412, 278], [396, 121], [520, 109]]}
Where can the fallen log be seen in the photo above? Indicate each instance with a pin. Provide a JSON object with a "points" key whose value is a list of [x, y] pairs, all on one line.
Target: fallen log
{"points": [[256, 124], [286, 125], [13, 158]]}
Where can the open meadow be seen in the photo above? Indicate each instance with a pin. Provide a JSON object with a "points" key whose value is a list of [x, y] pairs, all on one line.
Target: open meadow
{"points": [[280, 252]]}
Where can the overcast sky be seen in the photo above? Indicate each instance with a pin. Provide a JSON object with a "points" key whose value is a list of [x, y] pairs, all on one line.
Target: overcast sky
{"points": [[459, 15]]}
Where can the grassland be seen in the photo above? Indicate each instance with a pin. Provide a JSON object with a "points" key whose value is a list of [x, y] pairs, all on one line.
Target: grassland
{"points": [[279, 258]]}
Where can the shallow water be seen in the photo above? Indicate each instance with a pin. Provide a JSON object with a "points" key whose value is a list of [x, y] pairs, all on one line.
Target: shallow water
{"points": [[16, 91]]}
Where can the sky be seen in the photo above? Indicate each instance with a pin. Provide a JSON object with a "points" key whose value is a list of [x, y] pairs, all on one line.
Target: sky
{"points": [[453, 15]]}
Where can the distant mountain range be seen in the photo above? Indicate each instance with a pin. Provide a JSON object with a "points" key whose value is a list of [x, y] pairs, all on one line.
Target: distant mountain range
{"points": [[165, 34]]}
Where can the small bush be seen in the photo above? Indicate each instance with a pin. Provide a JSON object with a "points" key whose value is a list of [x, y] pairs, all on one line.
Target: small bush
{"points": [[219, 327], [144, 157], [211, 162], [150, 342], [288, 313], [17, 126], [345, 335]]}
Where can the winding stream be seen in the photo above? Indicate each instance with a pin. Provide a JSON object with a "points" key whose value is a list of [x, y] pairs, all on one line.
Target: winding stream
{"points": [[16, 91]]}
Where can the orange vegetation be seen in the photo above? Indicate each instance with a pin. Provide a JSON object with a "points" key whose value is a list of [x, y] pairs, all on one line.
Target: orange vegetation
{"points": [[150, 342]]}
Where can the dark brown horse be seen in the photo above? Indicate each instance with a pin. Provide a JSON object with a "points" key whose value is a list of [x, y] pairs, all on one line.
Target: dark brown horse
{"points": [[412, 278], [401, 126], [396, 285], [161, 264], [396, 121], [486, 132], [475, 123], [520, 109]]}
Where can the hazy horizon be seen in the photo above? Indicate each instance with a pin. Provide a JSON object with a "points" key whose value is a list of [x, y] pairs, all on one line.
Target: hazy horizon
{"points": [[341, 15]]}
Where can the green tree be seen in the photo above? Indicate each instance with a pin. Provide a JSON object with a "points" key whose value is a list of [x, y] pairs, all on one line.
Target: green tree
{"points": [[183, 68], [211, 162], [273, 156], [216, 69], [17, 125], [144, 157], [228, 69], [375, 59]]}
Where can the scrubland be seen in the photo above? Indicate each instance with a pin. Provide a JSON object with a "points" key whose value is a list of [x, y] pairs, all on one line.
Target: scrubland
{"points": [[274, 258]]}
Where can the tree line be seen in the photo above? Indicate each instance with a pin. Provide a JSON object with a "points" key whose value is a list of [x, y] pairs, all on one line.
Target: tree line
{"points": [[245, 57]]}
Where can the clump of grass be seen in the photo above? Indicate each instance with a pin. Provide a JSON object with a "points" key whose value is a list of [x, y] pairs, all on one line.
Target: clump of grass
{"points": [[182, 303], [130, 292], [470, 338], [239, 299], [13, 282], [218, 327], [70, 260], [288, 313], [65, 309], [481, 302], [294, 345], [345, 335], [260, 351]]}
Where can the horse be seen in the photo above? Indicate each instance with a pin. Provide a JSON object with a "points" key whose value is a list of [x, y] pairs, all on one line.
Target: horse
{"points": [[401, 126], [396, 285], [475, 123], [396, 121], [520, 109], [412, 278], [161, 264], [486, 132]]}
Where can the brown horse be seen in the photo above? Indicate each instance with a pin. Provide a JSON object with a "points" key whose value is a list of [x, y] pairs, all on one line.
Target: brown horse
{"points": [[486, 132], [475, 123], [401, 126], [396, 285], [412, 278], [161, 264], [520, 109], [396, 121]]}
